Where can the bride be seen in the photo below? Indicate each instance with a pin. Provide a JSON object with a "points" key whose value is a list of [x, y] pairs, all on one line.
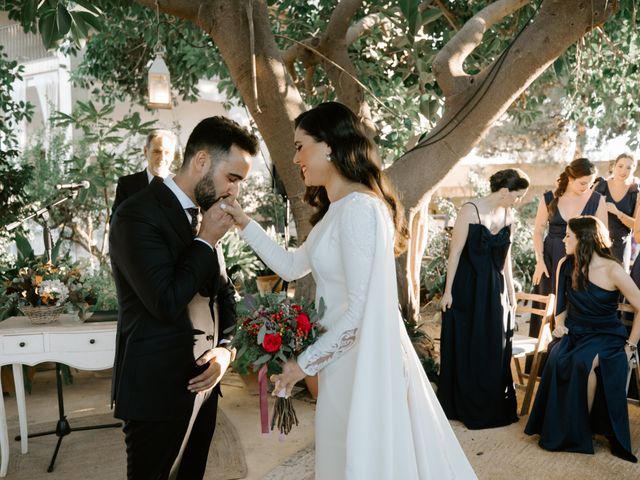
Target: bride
{"points": [[377, 416]]}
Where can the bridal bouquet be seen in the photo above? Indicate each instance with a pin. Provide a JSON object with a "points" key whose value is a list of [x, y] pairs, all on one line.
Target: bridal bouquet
{"points": [[272, 329]]}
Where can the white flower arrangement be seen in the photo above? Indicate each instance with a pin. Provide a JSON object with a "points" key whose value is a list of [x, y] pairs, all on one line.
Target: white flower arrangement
{"points": [[53, 291]]}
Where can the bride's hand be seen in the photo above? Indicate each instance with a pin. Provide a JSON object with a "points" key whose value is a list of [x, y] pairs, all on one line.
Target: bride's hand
{"points": [[234, 209], [291, 374]]}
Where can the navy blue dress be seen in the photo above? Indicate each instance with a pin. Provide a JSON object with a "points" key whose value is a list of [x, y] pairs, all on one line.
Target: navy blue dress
{"points": [[619, 233], [553, 251], [560, 412], [475, 384]]}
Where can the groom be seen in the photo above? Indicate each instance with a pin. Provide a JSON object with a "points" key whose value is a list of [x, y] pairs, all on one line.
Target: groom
{"points": [[171, 351]]}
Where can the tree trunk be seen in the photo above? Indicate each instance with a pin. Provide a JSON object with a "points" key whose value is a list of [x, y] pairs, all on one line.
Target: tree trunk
{"points": [[472, 103]]}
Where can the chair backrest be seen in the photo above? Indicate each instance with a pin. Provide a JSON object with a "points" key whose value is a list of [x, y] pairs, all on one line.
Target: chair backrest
{"points": [[547, 301], [545, 311]]}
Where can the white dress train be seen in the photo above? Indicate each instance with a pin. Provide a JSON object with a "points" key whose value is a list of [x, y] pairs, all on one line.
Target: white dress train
{"points": [[377, 417]]}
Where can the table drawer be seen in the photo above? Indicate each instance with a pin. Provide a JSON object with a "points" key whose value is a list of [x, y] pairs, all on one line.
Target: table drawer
{"points": [[82, 342], [22, 344]]}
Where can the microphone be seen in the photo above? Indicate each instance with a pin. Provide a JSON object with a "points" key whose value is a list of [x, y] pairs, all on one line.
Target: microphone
{"points": [[73, 186]]}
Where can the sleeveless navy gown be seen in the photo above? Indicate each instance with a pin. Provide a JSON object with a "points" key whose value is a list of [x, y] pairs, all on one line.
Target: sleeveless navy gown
{"points": [[619, 233], [553, 251], [560, 412], [475, 385]]}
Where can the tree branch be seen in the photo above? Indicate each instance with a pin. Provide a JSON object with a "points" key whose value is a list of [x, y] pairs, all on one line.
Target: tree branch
{"points": [[448, 66], [187, 9], [558, 25], [362, 26], [341, 19], [447, 14]]}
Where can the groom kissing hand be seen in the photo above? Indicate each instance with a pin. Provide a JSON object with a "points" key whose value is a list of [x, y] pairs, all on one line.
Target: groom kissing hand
{"points": [[175, 302]]}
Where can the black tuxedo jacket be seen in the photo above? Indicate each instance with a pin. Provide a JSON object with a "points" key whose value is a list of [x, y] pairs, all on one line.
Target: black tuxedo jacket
{"points": [[158, 268], [129, 185]]}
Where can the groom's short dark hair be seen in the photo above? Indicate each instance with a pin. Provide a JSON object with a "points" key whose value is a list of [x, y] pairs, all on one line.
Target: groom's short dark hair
{"points": [[217, 135]]}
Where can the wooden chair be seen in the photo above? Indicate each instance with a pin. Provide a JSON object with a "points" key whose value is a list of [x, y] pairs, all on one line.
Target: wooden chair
{"points": [[524, 345], [634, 363]]}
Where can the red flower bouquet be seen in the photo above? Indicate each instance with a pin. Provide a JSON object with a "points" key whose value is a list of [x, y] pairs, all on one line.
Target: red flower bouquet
{"points": [[272, 329]]}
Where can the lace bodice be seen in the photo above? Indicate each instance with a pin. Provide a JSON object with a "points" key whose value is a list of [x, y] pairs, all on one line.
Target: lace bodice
{"points": [[339, 252]]}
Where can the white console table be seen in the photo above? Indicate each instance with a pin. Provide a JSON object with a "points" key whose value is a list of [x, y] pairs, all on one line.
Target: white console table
{"points": [[86, 346]]}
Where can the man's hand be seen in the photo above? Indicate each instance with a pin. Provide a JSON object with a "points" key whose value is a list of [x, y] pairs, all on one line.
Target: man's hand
{"points": [[215, 223], [218, 359]]}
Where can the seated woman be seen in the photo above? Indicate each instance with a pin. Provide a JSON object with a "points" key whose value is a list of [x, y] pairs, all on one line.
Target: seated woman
{"points": [[592, 358]]}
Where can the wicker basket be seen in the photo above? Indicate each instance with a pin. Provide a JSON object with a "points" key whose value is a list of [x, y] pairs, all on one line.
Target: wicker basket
{"points": [[42, 315]]}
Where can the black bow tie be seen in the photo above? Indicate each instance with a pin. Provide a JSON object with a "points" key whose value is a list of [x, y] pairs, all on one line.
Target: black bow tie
{"points": [[193, 212]]}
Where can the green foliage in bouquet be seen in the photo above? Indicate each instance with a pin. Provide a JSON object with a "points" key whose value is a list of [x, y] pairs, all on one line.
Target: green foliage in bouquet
{"points": [[271, 329]]}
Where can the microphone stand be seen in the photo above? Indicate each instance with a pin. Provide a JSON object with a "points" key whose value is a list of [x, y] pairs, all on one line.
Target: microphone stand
{"points": [[62, 426]]}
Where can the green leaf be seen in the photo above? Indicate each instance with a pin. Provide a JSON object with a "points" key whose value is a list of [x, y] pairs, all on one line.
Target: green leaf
{"points": [[88, 6], [263, 359], [280, 356], [63, 20], [262, 333], [25, 251], [321, 308], [92, 20], [49, 30], [410, 11], [28, 11], [430, 15], [80, 25]]}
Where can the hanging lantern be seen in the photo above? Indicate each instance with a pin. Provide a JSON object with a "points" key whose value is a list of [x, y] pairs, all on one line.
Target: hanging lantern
{"points": [[159, 81]]}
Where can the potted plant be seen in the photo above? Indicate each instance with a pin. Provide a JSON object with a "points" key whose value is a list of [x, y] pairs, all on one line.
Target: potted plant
{"points": [[241, 261]]}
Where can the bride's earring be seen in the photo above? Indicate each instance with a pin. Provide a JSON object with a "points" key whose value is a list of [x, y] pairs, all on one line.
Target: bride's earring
{"points": [[328, 157]]}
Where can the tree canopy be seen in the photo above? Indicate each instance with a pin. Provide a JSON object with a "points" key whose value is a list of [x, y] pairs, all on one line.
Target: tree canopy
{"points": [[443, 69]]}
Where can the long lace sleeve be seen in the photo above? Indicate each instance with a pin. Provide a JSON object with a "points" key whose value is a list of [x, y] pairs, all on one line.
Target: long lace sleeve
{"points": [[357, 248], [289, 264]]}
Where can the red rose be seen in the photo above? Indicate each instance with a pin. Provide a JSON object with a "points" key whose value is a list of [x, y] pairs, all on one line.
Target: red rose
{"points": [[272, 342], [303, 323], [296, 308]]}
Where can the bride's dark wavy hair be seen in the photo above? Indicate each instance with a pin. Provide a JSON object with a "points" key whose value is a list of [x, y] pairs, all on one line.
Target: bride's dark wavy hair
{"points": [[580, 167], [593, 238], [355, 157]]}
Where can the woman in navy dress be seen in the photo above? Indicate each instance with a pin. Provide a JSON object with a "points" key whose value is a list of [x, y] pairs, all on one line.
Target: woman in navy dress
{"points": [[572, 197], [583, 388], [475, 385], [621, 194]]}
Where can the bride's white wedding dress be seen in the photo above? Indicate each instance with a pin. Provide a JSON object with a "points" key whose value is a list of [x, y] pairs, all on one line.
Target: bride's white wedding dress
{"points": [[377, 416]]}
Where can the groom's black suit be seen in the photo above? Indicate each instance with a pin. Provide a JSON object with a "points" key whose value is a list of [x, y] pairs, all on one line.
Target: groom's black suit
{"points": [[158, 268]]}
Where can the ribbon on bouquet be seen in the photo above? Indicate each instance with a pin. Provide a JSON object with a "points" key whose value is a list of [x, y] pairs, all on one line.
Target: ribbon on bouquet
{"points": [[264, 404]]}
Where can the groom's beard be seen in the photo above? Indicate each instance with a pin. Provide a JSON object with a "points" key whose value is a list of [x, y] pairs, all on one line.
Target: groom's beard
{"points": [[205, 193]]}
